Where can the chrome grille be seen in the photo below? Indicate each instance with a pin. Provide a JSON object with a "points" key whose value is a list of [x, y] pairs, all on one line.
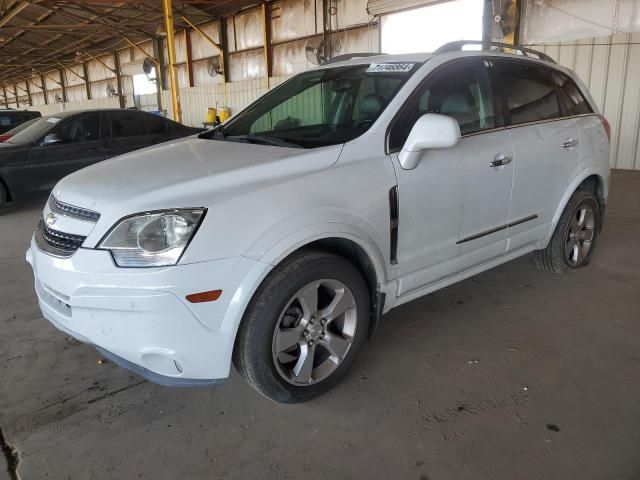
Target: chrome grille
{"points": [[56, 243], [72, 211]]}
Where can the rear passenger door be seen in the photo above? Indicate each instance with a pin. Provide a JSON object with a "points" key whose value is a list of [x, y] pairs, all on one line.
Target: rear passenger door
{"points": [[131, 130], [547, 147]]}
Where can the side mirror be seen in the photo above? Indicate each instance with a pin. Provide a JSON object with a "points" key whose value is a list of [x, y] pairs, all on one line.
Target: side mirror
{"points": [[432, 130], [51, 139]]}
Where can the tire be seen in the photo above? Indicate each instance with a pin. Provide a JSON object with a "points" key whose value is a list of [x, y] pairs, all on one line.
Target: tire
{"points": [[574, 238], [282, 330]]}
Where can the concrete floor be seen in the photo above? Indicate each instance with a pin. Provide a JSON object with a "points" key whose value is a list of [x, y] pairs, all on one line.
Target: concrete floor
{"points": [[514, 374]]}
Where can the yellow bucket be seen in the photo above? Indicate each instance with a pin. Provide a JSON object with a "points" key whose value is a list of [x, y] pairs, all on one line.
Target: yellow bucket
{"points": [[224, 113], [211, 115]]}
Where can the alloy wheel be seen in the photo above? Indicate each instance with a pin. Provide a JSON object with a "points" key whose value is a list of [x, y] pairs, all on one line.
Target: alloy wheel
{"points": [[314, 332], [580, 235]]}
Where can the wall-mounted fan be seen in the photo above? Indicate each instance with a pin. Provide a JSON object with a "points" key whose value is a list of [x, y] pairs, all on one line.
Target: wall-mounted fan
{"points": [[148, 65], [111, 91], [213, 67], [314, 51]]}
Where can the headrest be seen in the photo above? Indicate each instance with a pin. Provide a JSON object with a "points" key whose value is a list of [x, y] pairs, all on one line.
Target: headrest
{"points": [[371, 104], [455, 103]]}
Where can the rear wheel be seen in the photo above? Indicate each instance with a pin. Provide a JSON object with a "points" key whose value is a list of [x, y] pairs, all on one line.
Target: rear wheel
{"points": [[575, 235], [304, 328]]}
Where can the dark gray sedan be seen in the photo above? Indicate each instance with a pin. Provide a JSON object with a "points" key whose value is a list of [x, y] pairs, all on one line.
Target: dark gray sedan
{"points": [[33, 160]]}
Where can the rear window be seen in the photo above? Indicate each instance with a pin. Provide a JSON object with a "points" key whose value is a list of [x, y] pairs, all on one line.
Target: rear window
{"points": [[530, 91], [572, 101]]}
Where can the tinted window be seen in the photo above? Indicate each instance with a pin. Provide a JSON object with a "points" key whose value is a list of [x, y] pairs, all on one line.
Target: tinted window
{"points": [[572, 101], [127, 125], [5, 120], [530, 92], [85, 128], [155, 125], [461, 91]]}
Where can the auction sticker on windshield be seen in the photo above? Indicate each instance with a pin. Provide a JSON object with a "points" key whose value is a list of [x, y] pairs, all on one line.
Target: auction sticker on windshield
{"points": [[390, 67]]}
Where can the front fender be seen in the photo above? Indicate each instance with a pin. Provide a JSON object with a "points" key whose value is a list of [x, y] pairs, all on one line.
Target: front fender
{"points": [[304, 235]]}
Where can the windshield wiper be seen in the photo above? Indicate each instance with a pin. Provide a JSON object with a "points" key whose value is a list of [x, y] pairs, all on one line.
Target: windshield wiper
{"points": [[265, 140]]}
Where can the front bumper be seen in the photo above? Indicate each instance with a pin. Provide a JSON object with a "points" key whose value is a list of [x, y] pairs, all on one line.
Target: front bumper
{"points": [[139, 317]]}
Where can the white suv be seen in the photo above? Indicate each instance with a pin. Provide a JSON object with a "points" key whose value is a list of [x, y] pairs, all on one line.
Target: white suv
{"points": [[278, 240]]}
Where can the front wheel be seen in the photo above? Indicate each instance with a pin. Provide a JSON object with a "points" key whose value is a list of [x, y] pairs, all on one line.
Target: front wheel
{"points": [[575, 235], [304, 327], [3, 195]]}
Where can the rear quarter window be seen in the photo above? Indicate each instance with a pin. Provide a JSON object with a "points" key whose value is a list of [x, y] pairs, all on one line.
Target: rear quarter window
{"points": [[572, 101]]}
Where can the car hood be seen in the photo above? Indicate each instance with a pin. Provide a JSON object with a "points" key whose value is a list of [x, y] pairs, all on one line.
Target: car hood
{"points": [[190, 172]]}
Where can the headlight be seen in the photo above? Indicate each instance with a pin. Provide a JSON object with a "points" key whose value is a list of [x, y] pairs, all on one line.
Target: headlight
{"points": [[154, 239]]}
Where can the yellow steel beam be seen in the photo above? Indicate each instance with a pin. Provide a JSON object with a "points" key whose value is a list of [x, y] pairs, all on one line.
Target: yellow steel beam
{"points": [[171, 50]]}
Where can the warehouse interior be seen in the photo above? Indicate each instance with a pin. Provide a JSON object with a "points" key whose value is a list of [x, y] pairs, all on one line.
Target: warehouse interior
{"points": [[512, 373]]}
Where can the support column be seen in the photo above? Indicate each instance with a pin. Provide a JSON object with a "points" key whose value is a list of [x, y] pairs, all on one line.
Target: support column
{"points": [[266, 36], [187, 41], [85, 71], [4, 92], [116, 64], [224, 48], [29, 93], [15, 93], [44, 89], [156, 45], [171, 50], [62, 86]]}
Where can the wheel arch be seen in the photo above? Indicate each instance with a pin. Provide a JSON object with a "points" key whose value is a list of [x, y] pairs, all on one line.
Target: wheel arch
{"points": [[362, 254], [592, 180]]}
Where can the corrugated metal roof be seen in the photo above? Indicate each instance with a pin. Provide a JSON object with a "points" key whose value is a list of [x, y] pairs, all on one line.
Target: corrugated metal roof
{"points": [[37, 35]]}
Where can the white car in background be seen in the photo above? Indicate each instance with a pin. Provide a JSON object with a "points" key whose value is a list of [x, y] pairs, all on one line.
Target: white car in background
{"points": [[278, 240]]}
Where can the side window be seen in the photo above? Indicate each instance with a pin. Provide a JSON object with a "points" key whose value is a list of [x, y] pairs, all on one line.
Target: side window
{"points": [[461, 91], [530, 92], [155, 125], [85, 128], [571, 99], [127, 125]]}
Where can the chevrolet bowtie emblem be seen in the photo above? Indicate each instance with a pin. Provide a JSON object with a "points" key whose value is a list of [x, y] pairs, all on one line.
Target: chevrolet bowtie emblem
{"points": [[50, 220]]}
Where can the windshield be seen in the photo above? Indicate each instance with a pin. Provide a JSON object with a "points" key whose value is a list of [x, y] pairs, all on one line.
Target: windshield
{"points": [[38, 129], [320, 107], [21, 127]]}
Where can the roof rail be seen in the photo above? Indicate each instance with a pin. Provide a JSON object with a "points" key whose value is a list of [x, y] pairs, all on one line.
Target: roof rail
{"points": [[349, 56], [458, 45]]}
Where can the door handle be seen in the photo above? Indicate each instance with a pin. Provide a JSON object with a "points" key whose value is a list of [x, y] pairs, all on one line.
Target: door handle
{"points": [[570, 142], [500, 160]]}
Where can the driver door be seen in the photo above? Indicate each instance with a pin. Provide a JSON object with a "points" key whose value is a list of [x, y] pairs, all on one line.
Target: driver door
{"points": [[453, 207], [79, 145]]}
